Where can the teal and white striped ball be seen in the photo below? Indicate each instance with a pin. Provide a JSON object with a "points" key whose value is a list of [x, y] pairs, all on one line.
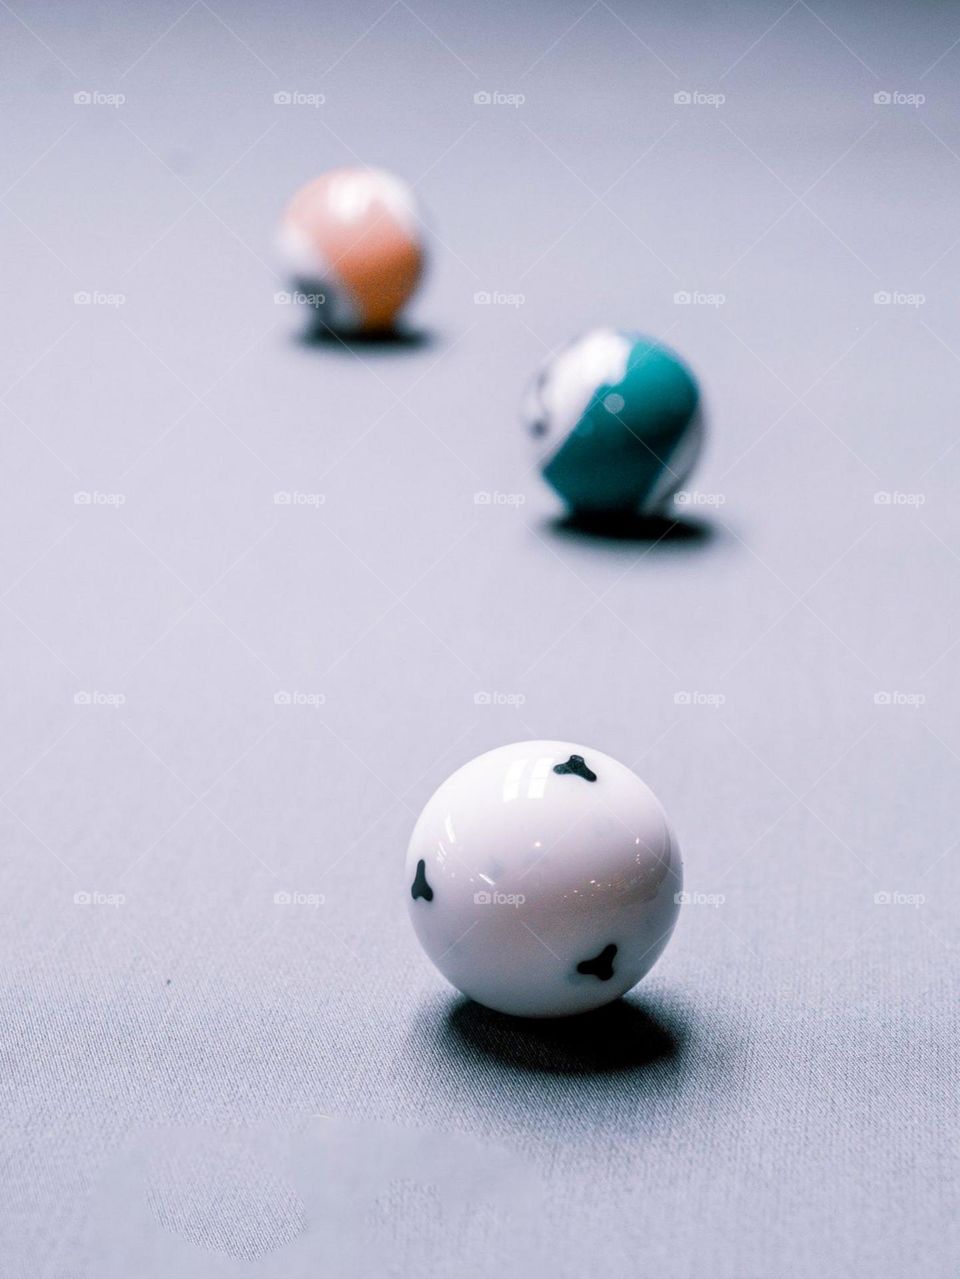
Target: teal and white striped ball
{"points": [[617, 421]]}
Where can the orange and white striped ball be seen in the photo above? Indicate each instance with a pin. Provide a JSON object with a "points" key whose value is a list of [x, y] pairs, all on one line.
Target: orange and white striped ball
{"points": [[352, 242]]}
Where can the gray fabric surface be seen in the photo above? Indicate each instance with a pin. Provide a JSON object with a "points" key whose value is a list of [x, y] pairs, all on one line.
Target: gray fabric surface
{"points": [[198, 1079]]}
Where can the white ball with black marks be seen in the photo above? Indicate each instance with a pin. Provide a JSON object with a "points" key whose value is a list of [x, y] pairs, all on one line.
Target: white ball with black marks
{"points": [[542, 879]]}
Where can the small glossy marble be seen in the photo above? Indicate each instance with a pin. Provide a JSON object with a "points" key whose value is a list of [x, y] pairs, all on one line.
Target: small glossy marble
{"points": [[542, 879], [617, 423], [352, 243]]}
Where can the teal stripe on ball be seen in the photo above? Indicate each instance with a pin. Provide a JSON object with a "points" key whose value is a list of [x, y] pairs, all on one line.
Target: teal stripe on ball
{"points": [[635, 442]]}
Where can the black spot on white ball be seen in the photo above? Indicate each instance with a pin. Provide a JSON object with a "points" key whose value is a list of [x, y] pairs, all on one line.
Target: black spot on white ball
{"points": [[576, 766], [601, 966], [420, 887]]}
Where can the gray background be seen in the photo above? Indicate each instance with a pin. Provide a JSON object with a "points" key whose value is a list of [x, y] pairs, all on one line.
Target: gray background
{"points": [[199, 1080]]}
